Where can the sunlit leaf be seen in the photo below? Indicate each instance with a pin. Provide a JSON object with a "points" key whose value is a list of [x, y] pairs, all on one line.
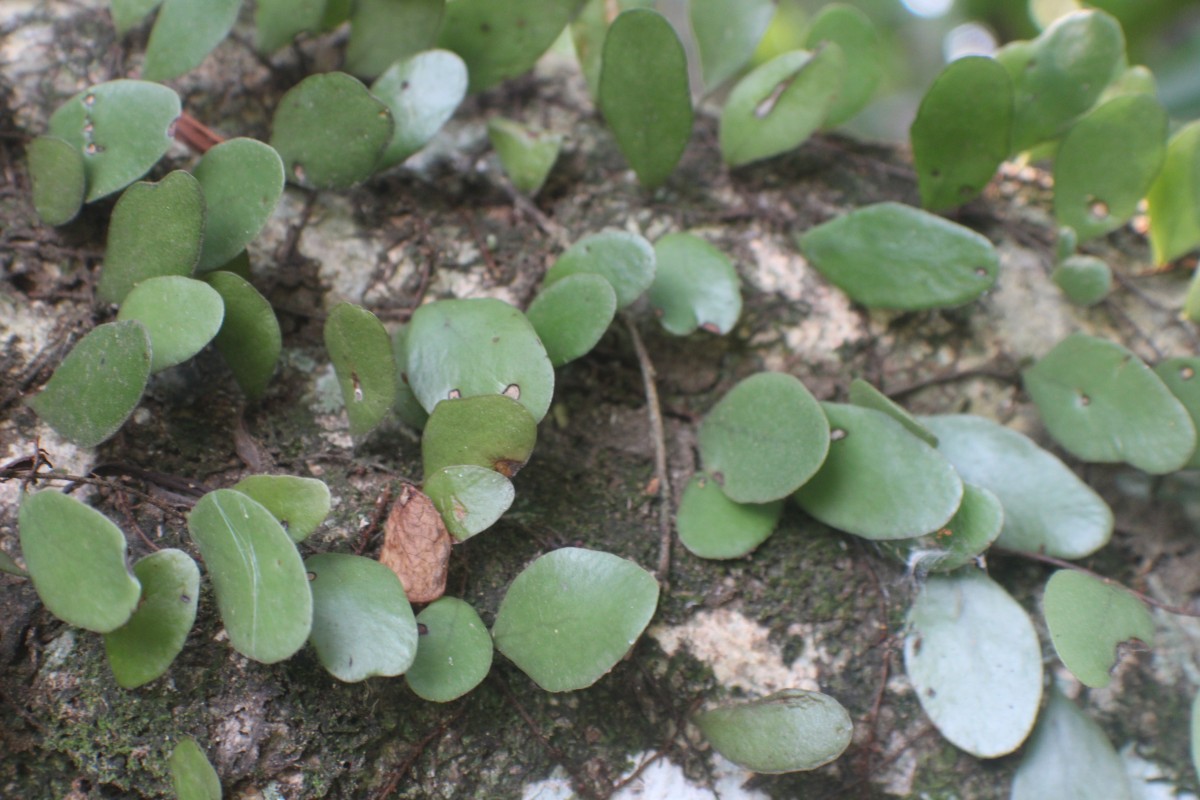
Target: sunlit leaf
{"points": [[249, 338], [470, 498], [867, 396], [727, 31], [59, 178], [1085, 280], [361, 353], [1089, 620], [572, 314], [526, 155], [854, 33], [191, 775], [971, 531], [454, 651], [242, 181], [695, 286], [711, 525], [422, 92], [1174, 199], [181, 315], [185, 31], [300, 504], [385, 31], [490, 431], [624, 259]]}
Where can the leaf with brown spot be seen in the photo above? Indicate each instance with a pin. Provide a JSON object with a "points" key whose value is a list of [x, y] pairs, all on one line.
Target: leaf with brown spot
{"points": [[416, 546]]}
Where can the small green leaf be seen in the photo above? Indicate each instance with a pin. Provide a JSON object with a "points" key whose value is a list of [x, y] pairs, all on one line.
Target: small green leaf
{"points": [[764, 439], [1136, 79], [1100, 402], [127, 13], [1085, 280], [572, 314], [143, 648], [182, 315], [1089, 620], [1065, 244], [572, 614], [695, 286], [789, 731], [464, 348], [879, 481], [890, 255], [76, 559], [330, 131], [1179, 375], [422, 92], [98, 384], [249, 338], [261, 587], [981, 691], [278, 22], [242, 181], [853, 32], [7, 564], [644, 93], [469, 498], [59, 178], [383, 32], [300, 504], [361, 352], [1174, 199], [362, 624], [624, 259], [526, 155], [121, 127], [711, 525], [156, 229], [186, 31], [867, 396], [407, 407], [727, 31], [588, 30], [971, 531], [191, 775], [454, 651], [962, 131], [490, 431], [1128, 135], [780, 104]]}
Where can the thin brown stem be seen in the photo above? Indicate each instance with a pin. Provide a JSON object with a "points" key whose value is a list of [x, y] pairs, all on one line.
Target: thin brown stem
{"points": [[661, 476], [193, 133], [1012, 378]]}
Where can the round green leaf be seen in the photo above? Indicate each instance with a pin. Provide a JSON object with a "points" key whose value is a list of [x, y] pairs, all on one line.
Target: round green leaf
{"points": [[1100, 402], [713, 526], [777, 107], [300, 504], [1179, 375], [880, 481], [1047, 508], [242, 181], [1174, 198], [890, 255], [361, 352], [156, 230], [407, 407], [1128, 136], [249, 338], [490, 431], [469, 498], [121, 127], [422, 92], [330, 131], [572, 314], [464, 348], [143, 648], [127, 13], [975, 663], [57, 171], [962, 131], [789, 731], [384, 31], [362, 624], [1089, 620], [98, 384], [971, 531], [852, 31], [695, 286], [186, 31], [572, 614], [181, 315], [624, 259], [644, 93], [278, 22], [867, 396], [764, 439], [192, 777], [1069, 757], [261, 587], [526, 155], [727, 31], [76, 559], [1085, 280], [454, 651]]}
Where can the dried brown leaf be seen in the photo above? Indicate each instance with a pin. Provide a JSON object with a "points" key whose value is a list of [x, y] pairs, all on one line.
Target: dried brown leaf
{"points": [[416, 546]]}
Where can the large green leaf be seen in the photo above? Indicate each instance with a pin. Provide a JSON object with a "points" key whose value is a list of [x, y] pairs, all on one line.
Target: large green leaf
{"points": [[490, 431], [384, 31], [121, 127], [361, 352], [1174, 199], [644, 93], [695, 286], [454, 651], [181, 315], [727, 31], [242, 181], [1100, 402], [962, 131], [880, 481], [278, 22], [257, 574], [192, 777], [422, 92], [76, 558], [854, 33], [186, 31], [300, 504], [1179, 375], [788, 731], [1047, 508], [156, 229], [59, 178], [98, 384], [975, 663], [969, 533], [890, 255], [469, 498], [527, 155], [626, 260], [780, 104], [362, 624], [143, 648], [1128, 136], [249, 338], [572, 614], [713, 526], [764, 439], [572, 314]]}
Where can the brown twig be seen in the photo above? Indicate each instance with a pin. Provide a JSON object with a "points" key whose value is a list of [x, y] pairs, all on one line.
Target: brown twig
{"points": [[29, 478], [1012, 378], [193, 133], [654, 412], [382, 504]]}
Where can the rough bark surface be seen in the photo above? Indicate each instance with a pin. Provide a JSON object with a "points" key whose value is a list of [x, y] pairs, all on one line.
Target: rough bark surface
{"points": [[811, 608]]}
